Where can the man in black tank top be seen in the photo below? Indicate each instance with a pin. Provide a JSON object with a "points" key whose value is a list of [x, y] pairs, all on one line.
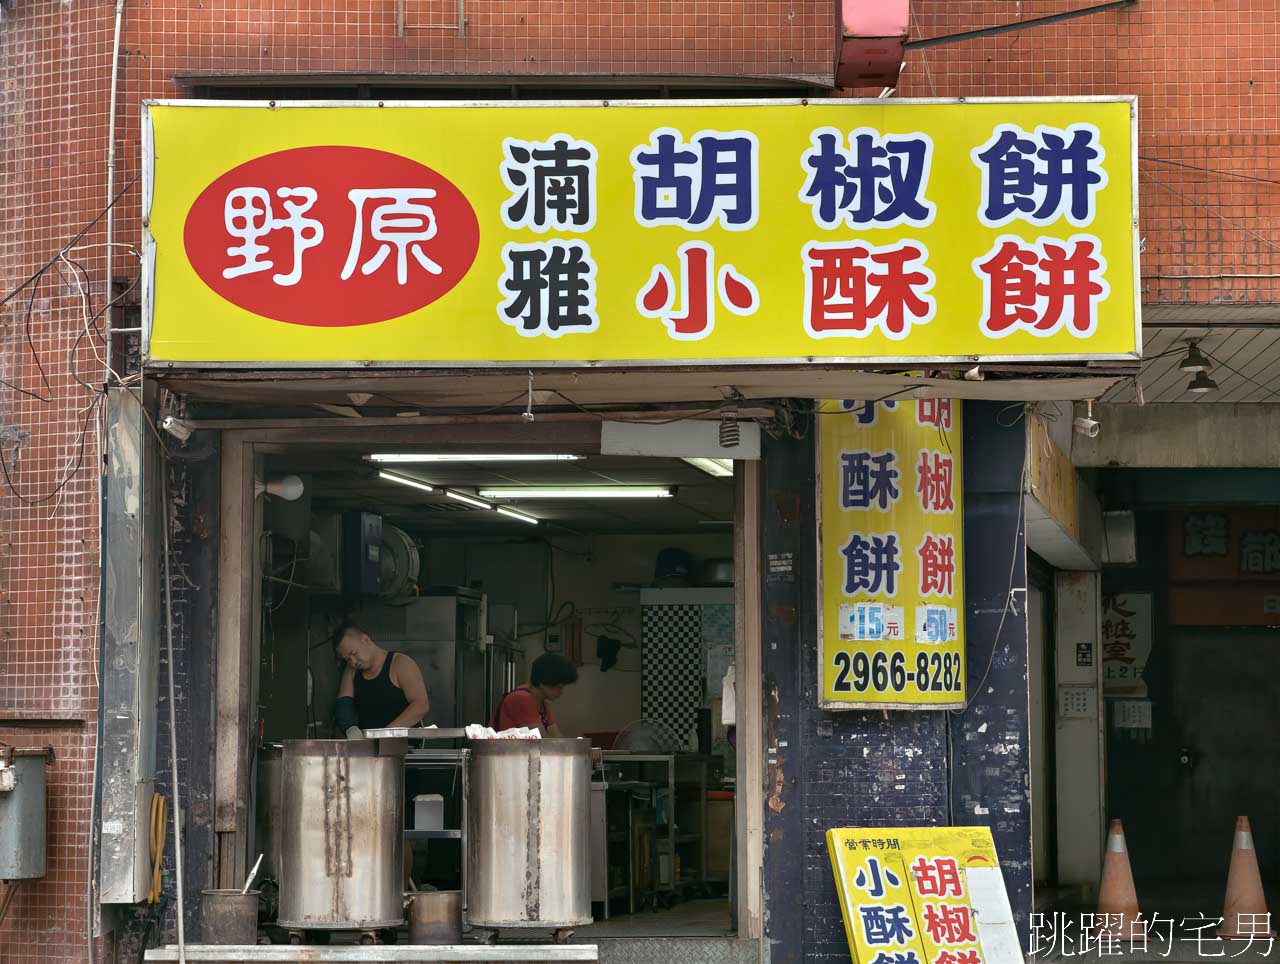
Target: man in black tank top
{"points": [[379, 688]]}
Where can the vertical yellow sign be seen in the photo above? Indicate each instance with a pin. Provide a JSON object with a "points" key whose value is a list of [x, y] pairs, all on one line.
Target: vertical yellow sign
{"points": [[923, 895], [891, 544]]}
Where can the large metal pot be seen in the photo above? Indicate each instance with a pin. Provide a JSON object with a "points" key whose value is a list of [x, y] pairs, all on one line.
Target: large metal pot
{"points": [[528, 817], [269, 801], [342, 834]]}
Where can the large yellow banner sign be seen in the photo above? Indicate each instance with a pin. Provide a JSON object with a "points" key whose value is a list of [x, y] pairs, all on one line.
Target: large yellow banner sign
{"points": [[668, 233], [923, 895], [891, 543]]}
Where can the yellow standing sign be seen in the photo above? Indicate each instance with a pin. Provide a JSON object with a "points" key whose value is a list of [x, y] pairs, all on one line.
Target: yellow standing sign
{"points": [[923, 895], [891, 544]]}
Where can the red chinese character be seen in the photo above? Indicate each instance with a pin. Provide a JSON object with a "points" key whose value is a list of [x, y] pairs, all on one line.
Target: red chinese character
{"points": [[948, 924], [935, 482], [939, 877], [937, 565], [845, 295], [1043, 287], [958, 957], [698, 282], [935, 412]]}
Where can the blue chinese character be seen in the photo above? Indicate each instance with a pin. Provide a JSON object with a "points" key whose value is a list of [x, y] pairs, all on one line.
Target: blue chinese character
{"points": [[879, 182], [909, 957], [865, 412], [871, 565], [1040, 176], [872, 878], [886, 925], [693, 185], [867, 478]]}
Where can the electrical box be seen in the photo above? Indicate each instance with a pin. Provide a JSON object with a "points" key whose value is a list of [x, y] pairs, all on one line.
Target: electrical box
{"points": [[361, 553]]}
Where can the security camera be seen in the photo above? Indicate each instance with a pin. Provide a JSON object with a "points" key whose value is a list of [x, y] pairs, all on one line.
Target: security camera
{"points": [[1088, 427], [177, 427], [1086, 424]]}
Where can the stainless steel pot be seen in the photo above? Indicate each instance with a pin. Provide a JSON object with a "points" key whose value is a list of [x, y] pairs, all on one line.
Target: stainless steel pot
{"points": [[528, 851], [269, 801], [342, 834]]}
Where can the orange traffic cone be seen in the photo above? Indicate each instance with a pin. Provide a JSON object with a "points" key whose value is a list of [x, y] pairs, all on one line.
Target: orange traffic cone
{"points": [[1117, 897], [1245, 898]]}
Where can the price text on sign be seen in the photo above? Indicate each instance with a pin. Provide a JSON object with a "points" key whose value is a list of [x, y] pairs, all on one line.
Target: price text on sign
{"points": [[923, 895], [892, 549], [659, 233]]}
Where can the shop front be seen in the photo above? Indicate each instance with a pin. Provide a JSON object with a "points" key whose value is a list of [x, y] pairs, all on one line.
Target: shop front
{"points": [[699, 429]]}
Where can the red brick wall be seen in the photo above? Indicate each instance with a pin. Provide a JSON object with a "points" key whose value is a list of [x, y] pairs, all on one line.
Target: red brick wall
{"points": [[46, 921], [1206, 76], [1208, 87]]}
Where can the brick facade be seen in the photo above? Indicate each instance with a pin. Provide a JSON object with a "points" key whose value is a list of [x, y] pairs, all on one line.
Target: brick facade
{"points": [[1206, 76]]}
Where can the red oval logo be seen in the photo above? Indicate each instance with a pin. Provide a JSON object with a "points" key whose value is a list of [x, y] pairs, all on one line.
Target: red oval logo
{"points": [[331, 236]]}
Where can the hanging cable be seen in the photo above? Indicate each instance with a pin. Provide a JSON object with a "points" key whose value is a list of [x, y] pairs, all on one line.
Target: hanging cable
{"points": [[159, 832], [173, 713]]}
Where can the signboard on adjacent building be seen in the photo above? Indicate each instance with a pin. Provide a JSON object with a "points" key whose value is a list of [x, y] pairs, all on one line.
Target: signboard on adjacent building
{"points": [[1126, 642], [923, 895], [657, 233], [891, 581]]}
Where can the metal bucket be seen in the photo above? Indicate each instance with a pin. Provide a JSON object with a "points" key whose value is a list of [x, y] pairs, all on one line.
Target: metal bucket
{"points": [[23, 812], [528, 848], [229, 917], [269, 802], [435, 917], [342, 834]]}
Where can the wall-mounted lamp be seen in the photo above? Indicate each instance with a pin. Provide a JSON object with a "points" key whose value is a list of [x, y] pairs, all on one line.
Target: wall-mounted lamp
{"points": [[287, 487]]}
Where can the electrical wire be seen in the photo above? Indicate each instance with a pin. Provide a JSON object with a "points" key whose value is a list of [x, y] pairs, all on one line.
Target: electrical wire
{"points": [[1207, 170], [67, 477], [159, 833], [1249, 378], [605, 417], [173, 713], [1023, 411], [1225, 220]]}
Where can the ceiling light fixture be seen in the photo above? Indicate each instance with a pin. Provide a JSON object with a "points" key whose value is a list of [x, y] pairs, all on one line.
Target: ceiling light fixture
{"points": [[1202, 384], [1196, 361], [406, 480], [579, 492], [515, 514], [470, 500], [720, 468], [409, 458]]}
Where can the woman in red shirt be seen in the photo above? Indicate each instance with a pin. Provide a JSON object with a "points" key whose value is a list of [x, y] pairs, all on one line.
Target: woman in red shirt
{"points": [[531, 705]]}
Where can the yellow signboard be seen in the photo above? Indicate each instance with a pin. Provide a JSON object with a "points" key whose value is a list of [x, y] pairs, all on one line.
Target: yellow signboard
{"points": [[891, 625], [923, 895], [658, 233]]}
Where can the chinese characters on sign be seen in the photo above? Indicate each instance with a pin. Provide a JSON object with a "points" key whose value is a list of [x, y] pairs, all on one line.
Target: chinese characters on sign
{"points": [[923, 896], [892, 553], [1126, 642], [1224, 566], [764, 232]]}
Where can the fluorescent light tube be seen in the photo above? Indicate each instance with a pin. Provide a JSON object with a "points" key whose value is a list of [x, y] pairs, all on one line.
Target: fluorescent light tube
{"points": [[517, 515], [468, 499], [405, 480], [423, 457], [720, 468], [579, 492]]}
